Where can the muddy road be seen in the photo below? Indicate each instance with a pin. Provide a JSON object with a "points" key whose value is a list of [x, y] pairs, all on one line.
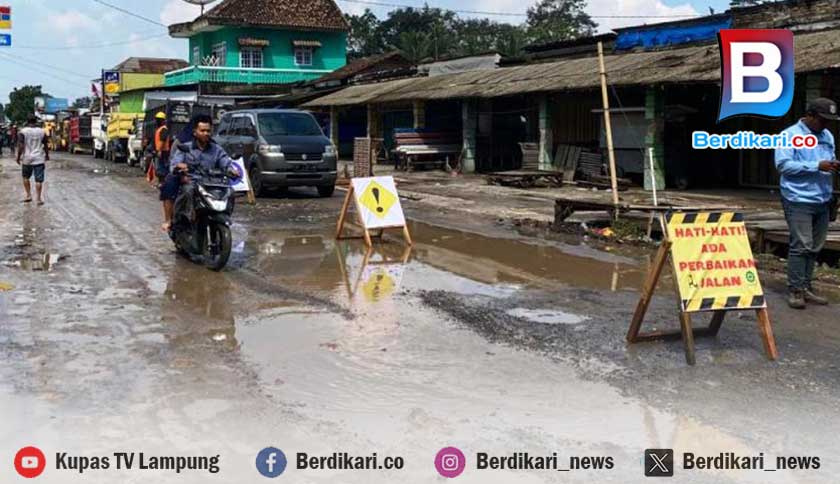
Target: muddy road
{"points": [[475, 338]]}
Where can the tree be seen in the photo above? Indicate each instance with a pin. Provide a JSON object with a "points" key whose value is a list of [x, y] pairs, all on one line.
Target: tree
{"points": [[554, 20], [22, 103], [2, 113], [364, 39], [415, 46], [423, 20], [511, 40], [83, 103]]}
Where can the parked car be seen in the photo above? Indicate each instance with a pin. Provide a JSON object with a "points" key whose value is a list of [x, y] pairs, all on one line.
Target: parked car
{"points": [[281, 148]]}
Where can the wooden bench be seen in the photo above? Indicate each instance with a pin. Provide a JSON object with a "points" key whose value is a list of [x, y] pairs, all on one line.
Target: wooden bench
{"points": [[416, 147]]}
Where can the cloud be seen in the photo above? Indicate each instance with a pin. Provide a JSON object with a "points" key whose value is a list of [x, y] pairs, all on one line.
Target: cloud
{"points": [[69, 22], [638, 8], [177, 11]]}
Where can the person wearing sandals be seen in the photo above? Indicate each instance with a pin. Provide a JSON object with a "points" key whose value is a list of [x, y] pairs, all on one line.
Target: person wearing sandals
{"points": [[33, 153]]}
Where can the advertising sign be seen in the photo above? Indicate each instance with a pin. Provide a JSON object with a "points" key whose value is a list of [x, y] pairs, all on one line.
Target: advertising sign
{"points": [[5, 19], [111, 80], [54, 104]]}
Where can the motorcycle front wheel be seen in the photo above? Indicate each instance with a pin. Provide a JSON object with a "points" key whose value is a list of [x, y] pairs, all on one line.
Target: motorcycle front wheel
{"points": [[217, 247]]}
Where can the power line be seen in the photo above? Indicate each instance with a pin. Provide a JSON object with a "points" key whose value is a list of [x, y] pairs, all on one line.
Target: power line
{"points": [[505, 14], [62, 79], [89, 46], [48, 66], [130, 13]]}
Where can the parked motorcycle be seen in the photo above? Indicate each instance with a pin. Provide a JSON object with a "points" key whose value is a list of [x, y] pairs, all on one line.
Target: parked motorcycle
{"points": [[201, 227]]}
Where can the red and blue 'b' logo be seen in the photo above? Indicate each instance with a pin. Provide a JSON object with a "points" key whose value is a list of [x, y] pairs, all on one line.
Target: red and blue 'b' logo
{"points": [[756, 72]]}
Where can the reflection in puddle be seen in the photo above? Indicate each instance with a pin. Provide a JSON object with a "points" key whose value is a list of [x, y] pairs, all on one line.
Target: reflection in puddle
{"points": [[41, 262], [440, 259], [546, 316]]}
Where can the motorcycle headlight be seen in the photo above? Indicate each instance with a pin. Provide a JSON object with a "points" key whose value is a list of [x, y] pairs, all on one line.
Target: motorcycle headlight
{"points": [[212, 201], [330, 150]]}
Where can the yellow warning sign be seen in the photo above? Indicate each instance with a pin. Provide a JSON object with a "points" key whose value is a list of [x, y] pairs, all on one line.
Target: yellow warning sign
{"points": [[378, 199], [713, 262], [379, 285]]}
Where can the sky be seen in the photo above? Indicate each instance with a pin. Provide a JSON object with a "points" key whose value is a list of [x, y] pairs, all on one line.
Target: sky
{"points": [[63, 44]]}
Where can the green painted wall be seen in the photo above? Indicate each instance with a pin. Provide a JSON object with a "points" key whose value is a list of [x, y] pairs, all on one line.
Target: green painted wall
{"points": [[132, 102], [280, 53]]}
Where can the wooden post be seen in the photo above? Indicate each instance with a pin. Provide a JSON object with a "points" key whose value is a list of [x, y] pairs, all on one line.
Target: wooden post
{"points": [[608, 125], [334, 126], [648, 290], [342, 217], [767, 334]]}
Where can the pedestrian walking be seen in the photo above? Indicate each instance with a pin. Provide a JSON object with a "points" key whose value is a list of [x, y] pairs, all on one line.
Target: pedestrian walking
{"points": [[32, 155], [807, 178]]}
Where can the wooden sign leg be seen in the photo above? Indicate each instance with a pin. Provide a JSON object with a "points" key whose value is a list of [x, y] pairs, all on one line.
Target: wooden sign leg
{"points": [[342, 218], [407, 236], [647, 291], [368, 241], [767, 334], [717, 321], [687, 336]]}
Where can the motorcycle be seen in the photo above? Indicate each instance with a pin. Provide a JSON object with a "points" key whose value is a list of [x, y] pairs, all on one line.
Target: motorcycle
{"points": [[201, 227]]}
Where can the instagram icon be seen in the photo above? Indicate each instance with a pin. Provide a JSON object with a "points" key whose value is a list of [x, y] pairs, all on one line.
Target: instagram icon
{"points": [[450, 462]]}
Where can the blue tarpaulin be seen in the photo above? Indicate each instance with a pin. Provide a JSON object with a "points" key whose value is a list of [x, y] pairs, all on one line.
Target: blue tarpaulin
{"points": [[652, 37]]}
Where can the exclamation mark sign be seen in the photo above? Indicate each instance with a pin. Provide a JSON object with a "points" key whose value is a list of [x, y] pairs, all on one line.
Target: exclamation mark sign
{"points": [[375, 192]]}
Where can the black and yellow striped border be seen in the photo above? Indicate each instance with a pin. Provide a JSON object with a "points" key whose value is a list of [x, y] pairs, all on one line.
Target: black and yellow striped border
{"points": [[723, 303], [703, 218]]}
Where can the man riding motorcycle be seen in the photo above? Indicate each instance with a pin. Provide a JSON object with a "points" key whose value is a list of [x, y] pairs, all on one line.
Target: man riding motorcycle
{"points": [[201, 155]]}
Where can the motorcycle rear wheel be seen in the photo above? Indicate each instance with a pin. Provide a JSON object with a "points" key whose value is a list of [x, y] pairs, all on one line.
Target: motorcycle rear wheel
{"points": [[217, 249]]}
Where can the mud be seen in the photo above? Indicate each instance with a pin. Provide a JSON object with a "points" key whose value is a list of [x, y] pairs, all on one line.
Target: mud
{"points": [[476, 338]]}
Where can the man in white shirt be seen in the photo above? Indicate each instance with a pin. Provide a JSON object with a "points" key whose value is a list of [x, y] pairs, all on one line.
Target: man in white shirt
{"points": [[33, 153]]}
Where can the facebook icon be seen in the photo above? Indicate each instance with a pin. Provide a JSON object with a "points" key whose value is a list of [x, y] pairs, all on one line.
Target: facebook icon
{"points": [[271, 462]]}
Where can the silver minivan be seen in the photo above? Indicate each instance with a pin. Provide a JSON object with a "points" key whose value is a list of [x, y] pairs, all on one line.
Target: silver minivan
{"points": [[281, 148]]}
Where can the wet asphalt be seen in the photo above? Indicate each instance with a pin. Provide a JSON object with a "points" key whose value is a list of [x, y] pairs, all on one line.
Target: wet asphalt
{"points": [[475, 338]]}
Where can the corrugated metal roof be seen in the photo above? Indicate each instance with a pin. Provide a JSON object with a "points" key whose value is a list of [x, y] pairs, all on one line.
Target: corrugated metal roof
{"points": [[814, 51], [149, 65]]}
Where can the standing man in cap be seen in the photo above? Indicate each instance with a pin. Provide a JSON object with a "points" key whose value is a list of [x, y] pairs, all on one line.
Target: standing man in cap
{"points": [[807, 183]]}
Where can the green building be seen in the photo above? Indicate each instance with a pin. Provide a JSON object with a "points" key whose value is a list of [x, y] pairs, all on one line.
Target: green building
{"points": [[261, 43]]}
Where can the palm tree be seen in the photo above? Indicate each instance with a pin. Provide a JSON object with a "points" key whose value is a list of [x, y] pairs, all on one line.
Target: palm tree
{"points": [[415, 46]]}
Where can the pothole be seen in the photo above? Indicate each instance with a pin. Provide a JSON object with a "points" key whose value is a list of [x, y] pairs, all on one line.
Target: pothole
{"points": [[546, 316]]}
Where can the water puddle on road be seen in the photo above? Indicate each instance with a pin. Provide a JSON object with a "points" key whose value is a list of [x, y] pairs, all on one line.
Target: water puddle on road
{"points": [[41, 262], [440, 259], [547, 316]]}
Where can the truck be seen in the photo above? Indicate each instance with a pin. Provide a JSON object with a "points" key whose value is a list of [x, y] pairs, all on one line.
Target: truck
{"points": [[81, 137], [120, 127], [99, 134]]}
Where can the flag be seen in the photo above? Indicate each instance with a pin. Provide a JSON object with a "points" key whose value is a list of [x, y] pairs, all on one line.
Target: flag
{"points": [[94, 90]]}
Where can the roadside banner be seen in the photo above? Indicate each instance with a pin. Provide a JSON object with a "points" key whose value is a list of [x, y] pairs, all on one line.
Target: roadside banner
{"points": [[377, 206], [715, 272], [714, 262]]}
